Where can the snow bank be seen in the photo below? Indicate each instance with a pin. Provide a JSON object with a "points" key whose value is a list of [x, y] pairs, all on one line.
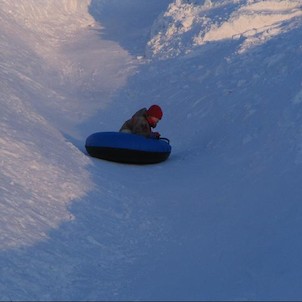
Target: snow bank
{"points": [[37, 183], [45, 76], [195, 23]]}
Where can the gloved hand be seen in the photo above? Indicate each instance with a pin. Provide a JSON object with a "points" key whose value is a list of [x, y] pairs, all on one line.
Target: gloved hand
{"points": [[155, 135]]}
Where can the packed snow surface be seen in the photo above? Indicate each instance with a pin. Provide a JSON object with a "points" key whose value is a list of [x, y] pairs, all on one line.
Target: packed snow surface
{"points": [[220, 219]]}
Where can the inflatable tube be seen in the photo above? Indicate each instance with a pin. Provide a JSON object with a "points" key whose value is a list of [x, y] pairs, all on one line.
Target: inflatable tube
{"points": [[127, 148]]}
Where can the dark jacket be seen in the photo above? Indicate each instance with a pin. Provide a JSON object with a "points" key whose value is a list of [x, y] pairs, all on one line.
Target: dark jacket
{"points": [[138, 124]]}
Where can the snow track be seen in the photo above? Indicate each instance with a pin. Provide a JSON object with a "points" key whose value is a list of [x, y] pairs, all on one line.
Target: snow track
{"points": [[220, 219]]}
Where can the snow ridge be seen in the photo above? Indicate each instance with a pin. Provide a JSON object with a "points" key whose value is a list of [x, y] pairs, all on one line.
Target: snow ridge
{"points": [[48, 76], [187, 25], [36, 185]]}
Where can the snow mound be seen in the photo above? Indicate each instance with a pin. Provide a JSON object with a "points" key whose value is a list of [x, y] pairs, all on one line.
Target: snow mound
{"points": [[36, 181], [195, 23], [50, 82]]}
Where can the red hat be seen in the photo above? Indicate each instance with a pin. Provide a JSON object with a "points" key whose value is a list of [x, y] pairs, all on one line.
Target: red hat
{"points": [[155, 111]]}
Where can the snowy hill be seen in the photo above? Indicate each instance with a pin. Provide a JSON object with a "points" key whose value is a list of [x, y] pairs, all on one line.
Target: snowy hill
{"points": [[187, 25], [220, 220]]}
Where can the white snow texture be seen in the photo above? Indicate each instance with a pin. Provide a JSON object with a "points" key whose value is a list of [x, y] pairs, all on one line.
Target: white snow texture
{"points": [[220, 219]]}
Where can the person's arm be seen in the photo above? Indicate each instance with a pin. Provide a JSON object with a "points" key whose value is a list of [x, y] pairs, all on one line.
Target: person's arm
{"points": [[141, 126]]}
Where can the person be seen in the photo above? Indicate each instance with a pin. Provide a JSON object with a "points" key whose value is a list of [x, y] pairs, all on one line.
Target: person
{"points": [[142, 122]]}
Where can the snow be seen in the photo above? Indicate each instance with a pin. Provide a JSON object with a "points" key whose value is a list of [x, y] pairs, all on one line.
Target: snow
{"points": [[187, 25], [220, 219]]}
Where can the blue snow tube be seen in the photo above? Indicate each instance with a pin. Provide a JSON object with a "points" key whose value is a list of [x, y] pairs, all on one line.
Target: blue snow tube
{"points": [[127, 148]]}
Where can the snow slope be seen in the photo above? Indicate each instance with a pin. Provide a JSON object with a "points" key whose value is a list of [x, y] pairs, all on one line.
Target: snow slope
{"points": [[188, 24], [220, 220]]}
